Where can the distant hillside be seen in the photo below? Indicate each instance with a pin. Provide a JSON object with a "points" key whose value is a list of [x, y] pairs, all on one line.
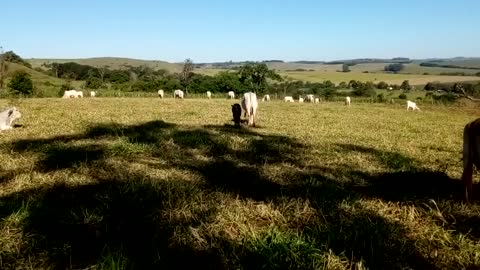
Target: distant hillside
{"points": [[111, 62]]}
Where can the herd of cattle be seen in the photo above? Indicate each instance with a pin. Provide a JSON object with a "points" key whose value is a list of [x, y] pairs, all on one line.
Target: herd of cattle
{"points": [[231, 95]]}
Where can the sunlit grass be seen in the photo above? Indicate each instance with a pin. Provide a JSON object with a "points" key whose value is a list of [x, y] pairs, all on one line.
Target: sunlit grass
{"points": [[136, 183]]}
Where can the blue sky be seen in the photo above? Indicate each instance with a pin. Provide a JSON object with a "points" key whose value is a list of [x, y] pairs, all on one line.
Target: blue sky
{"points": [[210, 30]]}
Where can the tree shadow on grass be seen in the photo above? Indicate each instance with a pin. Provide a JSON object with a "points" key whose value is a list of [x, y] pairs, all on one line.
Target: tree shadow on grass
{"points": [[150, 219]]}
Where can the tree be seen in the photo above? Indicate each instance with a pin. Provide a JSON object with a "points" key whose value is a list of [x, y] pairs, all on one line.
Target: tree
{"points": [[397, 67], [187, 73], [382, 85], [405, 86], [254, 76], [345, 68], [21, 83]]}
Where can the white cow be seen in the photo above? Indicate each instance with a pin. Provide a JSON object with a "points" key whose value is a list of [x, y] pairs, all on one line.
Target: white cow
{"points": [[348, 101], [289, 99], [161, 93], [266, 98], [178, 93], [92, 93], [413, 105], [8, 116], [300, 100], [231, 95], [72, 94], [209, 94], [310, 98], [317, 100], [250, 105]]}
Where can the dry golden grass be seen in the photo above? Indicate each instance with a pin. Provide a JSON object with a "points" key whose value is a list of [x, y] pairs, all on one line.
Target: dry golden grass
{"points": [[142, 183]]}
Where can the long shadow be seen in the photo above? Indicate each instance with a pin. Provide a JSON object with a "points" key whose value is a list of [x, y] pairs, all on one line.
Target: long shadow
{"points": [[76, 225]]}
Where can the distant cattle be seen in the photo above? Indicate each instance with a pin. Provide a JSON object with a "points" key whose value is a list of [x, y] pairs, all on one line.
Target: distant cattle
{"points": [[178, 94], [266, 98], [231, 95], [8, 116], [289, 99], [412, 105], [310, 98], [161, 93], [72, 94], [347, 101], [300, 100], [237, 113], [250, 105], [93, 93], [317, 100], [209, 94]]}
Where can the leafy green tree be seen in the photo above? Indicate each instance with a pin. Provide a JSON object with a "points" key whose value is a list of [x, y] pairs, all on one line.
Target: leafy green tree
{"points": [[342, 85], [405, 86], [254, 76], [21, 83], [397, 67], [187, 73], [93, 83], [382, 85]]}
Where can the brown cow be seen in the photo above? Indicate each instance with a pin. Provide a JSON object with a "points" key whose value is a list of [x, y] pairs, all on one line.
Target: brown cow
{"points": [[237, 113], [471, 151]]}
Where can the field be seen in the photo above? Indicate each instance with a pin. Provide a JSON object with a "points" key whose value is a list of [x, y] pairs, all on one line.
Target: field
{"points": [[142, 183]]}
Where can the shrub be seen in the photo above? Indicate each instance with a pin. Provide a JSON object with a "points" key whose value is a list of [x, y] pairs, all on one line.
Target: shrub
{"points": [[382, 85], [21, 83], [402, 96], [380, 98]]}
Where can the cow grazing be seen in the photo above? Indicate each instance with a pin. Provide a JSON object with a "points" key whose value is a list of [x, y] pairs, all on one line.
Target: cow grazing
{"points": [[93, 93], [8, 116], [471, 155], [161, 93], [289, 99], [209, 94], [310, 98], [348, 101], [72, 94], [237, 113], [178, 94], [231, 95], [413, 105], [250, 105], [317, 100], [300, 100], [266, 98]]}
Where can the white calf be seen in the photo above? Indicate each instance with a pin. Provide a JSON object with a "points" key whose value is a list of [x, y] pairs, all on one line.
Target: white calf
{"points": [[310, 98], [72, 94], [178, 93], [231, 95], [161, 93], [289, 99], [209, 94], [413, 105], [8, 116], [266, 98], [92, 93], [250, 105], [300, 100], [317, 100], [347, 101]]}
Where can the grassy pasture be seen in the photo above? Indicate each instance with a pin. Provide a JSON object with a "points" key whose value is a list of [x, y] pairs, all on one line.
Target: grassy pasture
{"points": [[142, 183]]}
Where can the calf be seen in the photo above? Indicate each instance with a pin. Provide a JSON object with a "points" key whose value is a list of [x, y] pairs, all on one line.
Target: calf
{"points": [[317, 100], [289, 99], [300, 100], [8, 116], [413, 105], [231, 95], [237, 113], [347, 101], [209, 94], [92, 93], [161, 93], [178, 93], [266, 98]]}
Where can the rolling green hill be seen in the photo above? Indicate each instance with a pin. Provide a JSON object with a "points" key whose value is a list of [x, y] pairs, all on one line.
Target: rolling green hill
{"points": [[111, 62]]}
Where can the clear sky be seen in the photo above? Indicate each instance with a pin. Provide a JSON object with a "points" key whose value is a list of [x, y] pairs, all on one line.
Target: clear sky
{"points": [[209, 30]]}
